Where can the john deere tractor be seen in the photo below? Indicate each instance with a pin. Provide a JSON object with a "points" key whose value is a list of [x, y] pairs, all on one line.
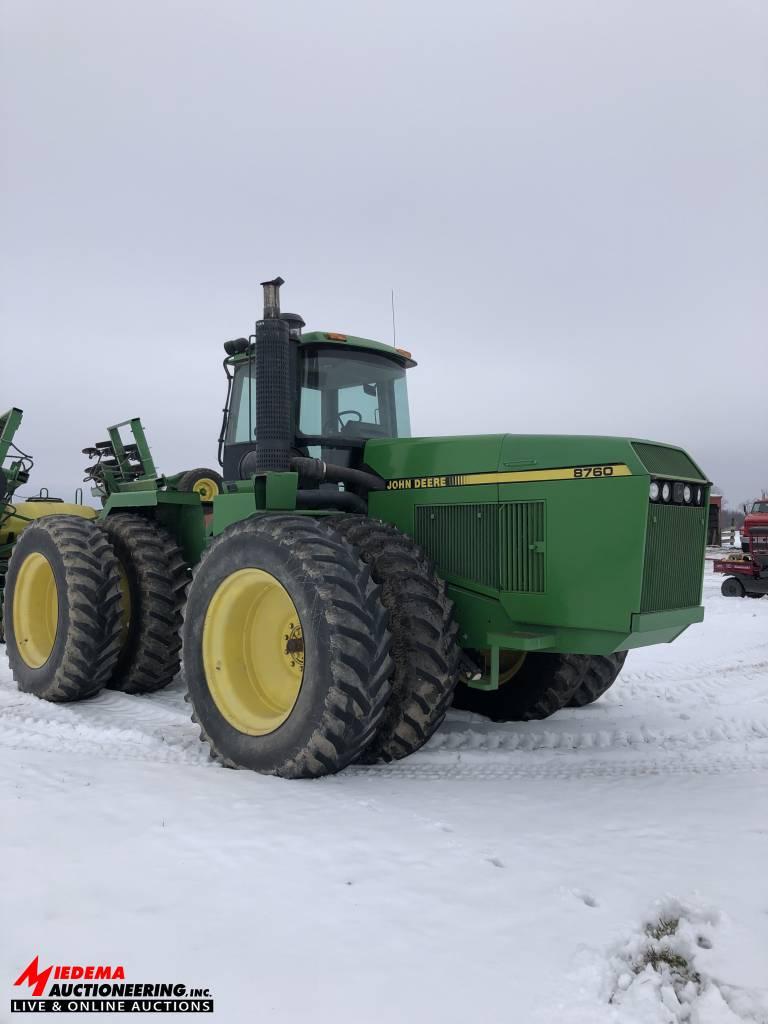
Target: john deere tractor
{"points": [[349, 582]]}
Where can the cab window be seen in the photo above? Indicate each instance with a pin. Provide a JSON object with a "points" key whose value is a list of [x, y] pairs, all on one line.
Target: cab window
{"points": [[352, 394]]}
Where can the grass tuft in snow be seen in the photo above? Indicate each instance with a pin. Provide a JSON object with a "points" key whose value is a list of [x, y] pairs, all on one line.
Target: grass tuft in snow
{"points": [[659, 959], [664, 926], [663, 955]]}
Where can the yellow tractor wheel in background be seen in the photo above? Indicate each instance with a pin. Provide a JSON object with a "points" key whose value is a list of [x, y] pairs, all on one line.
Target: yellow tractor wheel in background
{"points": [[205, 482], [26, 512], [206, 488]]}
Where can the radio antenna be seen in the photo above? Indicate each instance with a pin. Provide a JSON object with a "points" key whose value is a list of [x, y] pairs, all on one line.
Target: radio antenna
{"points": [[394, 327]]}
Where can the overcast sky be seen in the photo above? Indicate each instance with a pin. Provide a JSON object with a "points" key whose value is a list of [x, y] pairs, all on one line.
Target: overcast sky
{"points": [[569, 198]]}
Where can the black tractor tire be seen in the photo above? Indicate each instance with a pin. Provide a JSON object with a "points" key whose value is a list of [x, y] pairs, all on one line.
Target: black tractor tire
{"points": [[423, 630], [346, 674], [543, 684], [84, 625], [156, 576], [207, 482], [602, 672], [731, 587]]}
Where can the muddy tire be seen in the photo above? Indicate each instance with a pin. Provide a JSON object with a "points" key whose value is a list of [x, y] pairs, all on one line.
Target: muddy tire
{"points": [[602, 672], [205, 482], [285, 648], [154, 580], [62, 609], [423, 632], [543, 684]]}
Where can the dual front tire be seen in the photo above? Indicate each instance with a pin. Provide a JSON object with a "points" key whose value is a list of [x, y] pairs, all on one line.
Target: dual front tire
{"points": [[286, 648], [543, 684]]}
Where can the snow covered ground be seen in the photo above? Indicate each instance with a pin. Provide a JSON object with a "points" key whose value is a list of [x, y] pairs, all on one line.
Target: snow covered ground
{"points": [[522, 872]]}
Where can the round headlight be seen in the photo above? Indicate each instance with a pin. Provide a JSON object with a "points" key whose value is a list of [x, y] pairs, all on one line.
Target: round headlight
{"points": [[699, 495], [666, 492], [655, 490], [687, 495]]}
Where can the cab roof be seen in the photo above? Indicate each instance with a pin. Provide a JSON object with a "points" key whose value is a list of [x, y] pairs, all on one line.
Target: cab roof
{"points": [[401, 355]]}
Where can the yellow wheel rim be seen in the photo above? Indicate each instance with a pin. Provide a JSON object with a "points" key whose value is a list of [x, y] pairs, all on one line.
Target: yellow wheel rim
{"points": [[35, 610], [206, 488], [510, 663], [253, 651]]}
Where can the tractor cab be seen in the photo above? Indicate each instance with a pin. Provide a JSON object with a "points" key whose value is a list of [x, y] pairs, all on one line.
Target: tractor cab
{"points": [[344, 391]]}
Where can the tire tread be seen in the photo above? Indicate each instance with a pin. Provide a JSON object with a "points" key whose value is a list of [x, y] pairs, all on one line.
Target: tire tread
{"points": [[423, 631], [92, 577], [154, 656], [357, 699]]}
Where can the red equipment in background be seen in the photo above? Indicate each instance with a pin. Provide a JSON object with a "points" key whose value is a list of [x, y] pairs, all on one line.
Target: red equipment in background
{"points": [[747, 574], [755, 519]]}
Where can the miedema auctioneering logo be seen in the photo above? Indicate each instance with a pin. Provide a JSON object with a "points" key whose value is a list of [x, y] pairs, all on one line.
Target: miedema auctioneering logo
{"points": [[102, 988]]}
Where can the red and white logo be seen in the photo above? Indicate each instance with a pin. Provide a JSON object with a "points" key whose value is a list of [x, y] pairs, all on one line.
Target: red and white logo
{"points": [[37, 979]]}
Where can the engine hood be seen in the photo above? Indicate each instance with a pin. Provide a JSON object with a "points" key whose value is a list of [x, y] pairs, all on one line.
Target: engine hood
{"points": [[417, 457]]}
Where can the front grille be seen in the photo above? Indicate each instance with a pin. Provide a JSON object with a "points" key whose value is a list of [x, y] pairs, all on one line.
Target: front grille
{"points": [[674, 557], [498, 546], [666, 462]]}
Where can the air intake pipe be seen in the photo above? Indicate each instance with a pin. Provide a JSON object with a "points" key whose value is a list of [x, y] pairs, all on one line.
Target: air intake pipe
{"points": [[272, 358], [316, 471]]}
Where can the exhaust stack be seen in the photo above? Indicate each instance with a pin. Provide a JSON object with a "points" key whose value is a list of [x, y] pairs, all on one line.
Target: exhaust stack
{"points": [[272, 298], [273, 362]]}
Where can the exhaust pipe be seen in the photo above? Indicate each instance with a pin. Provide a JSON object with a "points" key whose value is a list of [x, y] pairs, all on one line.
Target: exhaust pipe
{"points": [[273, 362]]}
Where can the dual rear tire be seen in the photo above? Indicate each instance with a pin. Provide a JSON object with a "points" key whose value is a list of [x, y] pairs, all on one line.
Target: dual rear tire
{"points": [[89, 605], [62, 609]]}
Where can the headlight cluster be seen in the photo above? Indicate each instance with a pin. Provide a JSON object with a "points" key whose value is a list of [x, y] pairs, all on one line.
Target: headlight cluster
{"points": [[676, 492]]}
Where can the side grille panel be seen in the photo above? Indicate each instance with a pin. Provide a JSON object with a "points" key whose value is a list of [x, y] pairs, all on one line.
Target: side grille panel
{"points": [[522, 547], [674, 558], [463, 540], [498, 546]]}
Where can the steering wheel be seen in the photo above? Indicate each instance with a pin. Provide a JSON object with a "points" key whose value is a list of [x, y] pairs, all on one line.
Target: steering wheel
{"points": [[349, 412]]}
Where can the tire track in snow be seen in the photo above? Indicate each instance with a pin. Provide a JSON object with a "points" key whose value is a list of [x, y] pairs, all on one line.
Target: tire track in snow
{"points": [[113, 725], [706, 714], [481, 768], [573, 737]]}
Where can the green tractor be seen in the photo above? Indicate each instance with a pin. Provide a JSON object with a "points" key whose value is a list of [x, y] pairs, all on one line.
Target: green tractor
{"points": [[348, 583]]}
